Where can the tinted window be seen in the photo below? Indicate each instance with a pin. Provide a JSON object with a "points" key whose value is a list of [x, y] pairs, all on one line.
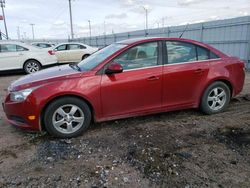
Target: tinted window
{"points": [[12, 48], [179, 52], [73, 46], [202, 53], [213, 56], [62, 47], [8, 48], [144, 55], [82, 47], [20, 48]]}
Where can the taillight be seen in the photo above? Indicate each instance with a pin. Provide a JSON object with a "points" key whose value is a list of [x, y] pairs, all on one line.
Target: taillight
{"points": [[51, 52]]}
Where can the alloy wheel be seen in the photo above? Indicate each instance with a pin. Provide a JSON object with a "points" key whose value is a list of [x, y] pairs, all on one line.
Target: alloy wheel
{"points": [[216, 98], [68, 119]]}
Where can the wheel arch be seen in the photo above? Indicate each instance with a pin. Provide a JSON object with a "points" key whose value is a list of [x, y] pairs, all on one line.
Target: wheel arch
{"points": [[42, 127], [224, 80], [33, 59], [87, 54]]}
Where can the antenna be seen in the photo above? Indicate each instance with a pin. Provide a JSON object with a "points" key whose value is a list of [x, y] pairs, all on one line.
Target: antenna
{"points": [[184, 31]]}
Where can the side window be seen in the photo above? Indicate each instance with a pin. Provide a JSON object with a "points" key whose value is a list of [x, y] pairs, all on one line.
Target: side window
{"points": [[61, 47], [8, 48], [82, 47], [73, 46], [202, 53], [143, 55], [213, 55], [20, 48], [179, 52]]}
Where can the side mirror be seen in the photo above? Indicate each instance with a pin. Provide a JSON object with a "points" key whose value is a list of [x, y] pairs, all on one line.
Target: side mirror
{"points": [[114, 68]]}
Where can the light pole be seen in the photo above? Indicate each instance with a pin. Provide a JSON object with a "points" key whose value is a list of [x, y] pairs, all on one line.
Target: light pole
{"points": [[2, 2], [89, 32], [71, 22], [145, 7], [33, 34], [18, 32]]}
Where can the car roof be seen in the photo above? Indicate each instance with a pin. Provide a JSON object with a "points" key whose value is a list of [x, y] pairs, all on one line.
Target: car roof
{"points": [[65, 43], [135, 41], [25, 45], [40, 43], [150, 39], [71, 43]]}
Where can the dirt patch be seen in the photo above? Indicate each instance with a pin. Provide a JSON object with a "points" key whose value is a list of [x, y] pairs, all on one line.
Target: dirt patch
{"points": [[176, 149]]}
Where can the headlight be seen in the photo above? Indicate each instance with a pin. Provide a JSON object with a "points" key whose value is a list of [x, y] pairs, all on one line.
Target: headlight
{"points": [[19, 96]]}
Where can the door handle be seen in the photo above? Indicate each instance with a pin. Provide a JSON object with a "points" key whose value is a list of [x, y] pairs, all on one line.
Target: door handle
{"points": [[199, 71], [152, 78], [20, 53]]}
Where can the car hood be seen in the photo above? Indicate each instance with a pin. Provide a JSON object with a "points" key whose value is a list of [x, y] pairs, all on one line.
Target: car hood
{"points": [[44, 76]]}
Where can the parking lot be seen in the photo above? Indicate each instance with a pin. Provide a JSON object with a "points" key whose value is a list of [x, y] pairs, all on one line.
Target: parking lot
{"points": [[176, 149]]}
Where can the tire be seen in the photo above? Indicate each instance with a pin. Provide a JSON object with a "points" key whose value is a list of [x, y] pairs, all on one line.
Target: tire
{"points": [[85, 56], [31, 66], [67, 117], [215, 98]]}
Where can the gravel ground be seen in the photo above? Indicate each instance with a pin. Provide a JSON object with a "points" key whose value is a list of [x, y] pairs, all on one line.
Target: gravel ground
{"points": [[176, 149]]}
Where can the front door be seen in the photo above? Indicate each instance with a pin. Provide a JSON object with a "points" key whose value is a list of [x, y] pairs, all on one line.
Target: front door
{"points": [[139, 87]]}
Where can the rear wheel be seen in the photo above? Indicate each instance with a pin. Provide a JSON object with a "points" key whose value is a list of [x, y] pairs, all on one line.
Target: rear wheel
{"points": [[85, 56], [67, 117], [31, 66], [215, 98]]}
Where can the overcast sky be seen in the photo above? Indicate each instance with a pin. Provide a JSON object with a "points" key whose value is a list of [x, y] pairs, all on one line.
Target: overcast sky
{"points": [[51, 17]]}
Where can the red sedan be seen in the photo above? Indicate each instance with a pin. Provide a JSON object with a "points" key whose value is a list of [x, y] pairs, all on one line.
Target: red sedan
{"points": [[128, 78]]}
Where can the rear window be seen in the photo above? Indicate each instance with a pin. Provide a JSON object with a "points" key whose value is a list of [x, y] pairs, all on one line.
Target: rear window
{"points": [[202, 53], [213, 55]]}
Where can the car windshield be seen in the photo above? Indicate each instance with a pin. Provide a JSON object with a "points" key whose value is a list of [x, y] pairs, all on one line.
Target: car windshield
{"points": [[96, 58]]}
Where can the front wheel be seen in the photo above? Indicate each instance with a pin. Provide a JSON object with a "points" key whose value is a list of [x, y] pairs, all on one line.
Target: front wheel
{"points": [[67, 117], [215, 98]]}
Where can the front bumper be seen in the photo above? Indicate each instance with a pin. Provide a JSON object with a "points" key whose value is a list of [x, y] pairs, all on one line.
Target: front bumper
{"points": [[17, 114]]}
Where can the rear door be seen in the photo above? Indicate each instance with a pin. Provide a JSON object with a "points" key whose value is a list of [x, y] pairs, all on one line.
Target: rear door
{"points": [[12, 56], [74, 52], [61, 54], [185, 71], [139, 87]]}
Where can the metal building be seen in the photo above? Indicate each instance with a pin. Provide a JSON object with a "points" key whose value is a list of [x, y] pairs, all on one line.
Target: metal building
{"points": [[231, 36]]}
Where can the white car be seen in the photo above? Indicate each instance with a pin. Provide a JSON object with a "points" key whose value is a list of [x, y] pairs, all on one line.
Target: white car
{"points": [[73, 52], [18, 55]]}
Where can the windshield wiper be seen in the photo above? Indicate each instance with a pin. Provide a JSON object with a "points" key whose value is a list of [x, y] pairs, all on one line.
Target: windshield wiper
{"points": [[75, 67]]}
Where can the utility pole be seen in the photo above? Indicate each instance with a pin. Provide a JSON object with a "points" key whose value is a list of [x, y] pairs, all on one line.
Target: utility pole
{"points": [[33, 34], [18, 32], [71, 22], [2, 3], [89, 32], [146, 18]]}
